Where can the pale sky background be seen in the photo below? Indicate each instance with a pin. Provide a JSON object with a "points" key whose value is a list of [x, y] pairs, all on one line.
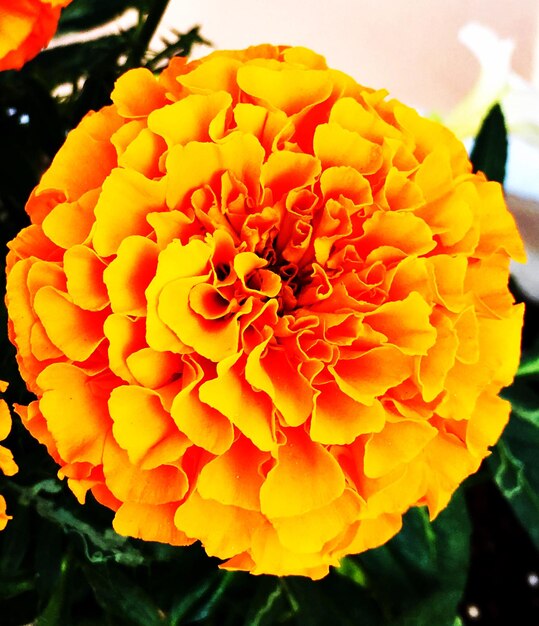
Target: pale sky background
{"points": [[410, 47]]}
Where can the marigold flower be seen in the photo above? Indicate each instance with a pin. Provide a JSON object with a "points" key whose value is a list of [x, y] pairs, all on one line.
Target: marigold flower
{"points": [[26, 26], [263, 307], [7, 464]]}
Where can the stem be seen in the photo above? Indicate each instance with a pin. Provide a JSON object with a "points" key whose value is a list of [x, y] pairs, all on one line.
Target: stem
{"points": [[146, 33]]}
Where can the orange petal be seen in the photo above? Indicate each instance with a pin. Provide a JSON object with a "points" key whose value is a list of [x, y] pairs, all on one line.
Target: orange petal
{"points": [[84, 273], [85, 160], [223, 530], [197, 164], [271, 557], [76, 332], [305, 477], [151, 522], [397, 444], [405, 323], [143, 428], [69, 393], [129, 483], [335, 146], [137, 92], [309, 532], [285, 171], [70, 223]]}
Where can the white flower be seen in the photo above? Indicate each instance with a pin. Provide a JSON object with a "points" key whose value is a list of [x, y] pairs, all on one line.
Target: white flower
{"points": [[519, 100]]}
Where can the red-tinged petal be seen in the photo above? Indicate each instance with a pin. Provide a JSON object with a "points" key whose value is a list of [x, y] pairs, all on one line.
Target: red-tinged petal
{"points": [[372, 373], [305, 477], [338, 419], [269, 370], [235, 477], [205, 426], [129, 274], [405, 323], [125, 337], [84, 273], [285, 171]]}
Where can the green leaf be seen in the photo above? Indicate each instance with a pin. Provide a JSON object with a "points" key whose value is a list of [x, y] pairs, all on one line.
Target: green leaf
{"points": [[121, 598], [514, 460], [418, 578], [86, 14], [489, 154]]}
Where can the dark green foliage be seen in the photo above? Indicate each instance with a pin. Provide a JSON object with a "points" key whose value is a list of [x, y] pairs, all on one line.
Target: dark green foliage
{"points": [[489, 153]]}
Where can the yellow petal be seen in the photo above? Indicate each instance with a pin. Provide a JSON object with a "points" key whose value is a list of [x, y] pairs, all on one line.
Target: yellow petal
{"points": [[125, 201], [249, 410]]}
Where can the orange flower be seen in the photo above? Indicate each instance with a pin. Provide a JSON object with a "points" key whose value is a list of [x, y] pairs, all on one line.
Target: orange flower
{"points": [[7, 464], [26, 26], [263, 307]]}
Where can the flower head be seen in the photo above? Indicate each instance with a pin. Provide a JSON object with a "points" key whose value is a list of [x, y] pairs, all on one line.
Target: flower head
{"points": [[26, 26], [263, 307], [7, 464]]}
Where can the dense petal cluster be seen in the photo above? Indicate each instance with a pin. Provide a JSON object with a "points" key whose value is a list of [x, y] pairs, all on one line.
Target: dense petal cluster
{"points": [[7, 465], [263, 307], [26, 26]]}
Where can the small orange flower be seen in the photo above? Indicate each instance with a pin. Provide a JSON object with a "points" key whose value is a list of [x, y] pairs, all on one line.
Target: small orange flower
{"points": [[26, 26], [7, 464], [264, 307]]}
